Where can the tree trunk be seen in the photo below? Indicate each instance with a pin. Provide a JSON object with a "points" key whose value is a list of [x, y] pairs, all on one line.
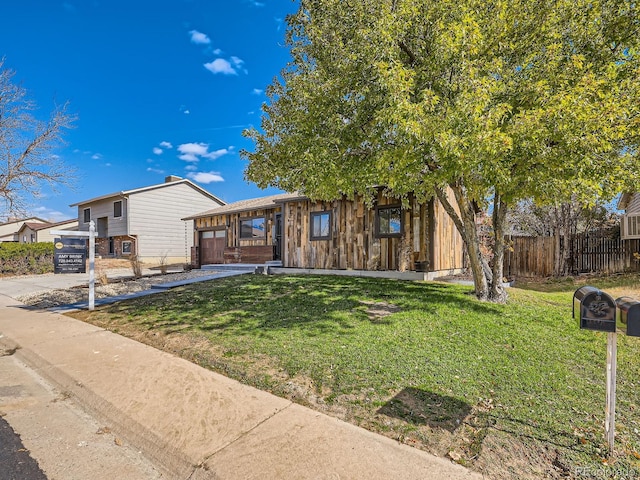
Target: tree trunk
{"points": [[497, 292], [466, 225]]}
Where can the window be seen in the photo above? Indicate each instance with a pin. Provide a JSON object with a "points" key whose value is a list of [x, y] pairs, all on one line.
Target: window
{"points": [[86, 215], [252, 228], [320, 225], [389, 221], [126, 248], [117, 209]]}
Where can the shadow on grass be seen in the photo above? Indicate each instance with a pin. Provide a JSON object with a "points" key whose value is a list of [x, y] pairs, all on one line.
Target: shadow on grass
{"points": [[421, 407]]}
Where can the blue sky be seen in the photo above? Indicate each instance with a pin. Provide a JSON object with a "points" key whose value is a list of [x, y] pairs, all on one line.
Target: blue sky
{"points": [[159, 87]]}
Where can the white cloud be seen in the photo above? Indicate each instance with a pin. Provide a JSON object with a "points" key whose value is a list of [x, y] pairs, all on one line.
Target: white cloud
{"points": [[237, 62], [194, 148], [155, 170], [205, 177], [199, 38], [166, 145], [157, 150], [220, 65], [216, 154], [96, 156], [186, 112], [257, 91], [217, 51], [51, 215], [193, 152], [191, 168]]}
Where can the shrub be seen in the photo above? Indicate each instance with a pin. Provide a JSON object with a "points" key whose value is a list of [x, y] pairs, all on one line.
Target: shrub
{"points": [[26, 258]]}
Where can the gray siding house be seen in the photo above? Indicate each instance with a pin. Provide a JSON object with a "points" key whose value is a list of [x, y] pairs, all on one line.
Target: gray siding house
{"points": [[9, 229], [147, 221], [630, 220]]}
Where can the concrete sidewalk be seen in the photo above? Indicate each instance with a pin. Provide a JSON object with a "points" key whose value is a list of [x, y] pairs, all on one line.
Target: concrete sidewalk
{"points": [[195, 424]]}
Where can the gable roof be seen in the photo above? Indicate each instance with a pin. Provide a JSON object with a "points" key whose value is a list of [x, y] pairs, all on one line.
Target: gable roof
{"points": [[43, 226], [126, 193], [623, 201], [28, 219], [250, 204]]}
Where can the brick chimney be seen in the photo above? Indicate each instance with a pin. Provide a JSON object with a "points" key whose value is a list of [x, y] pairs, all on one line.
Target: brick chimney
{"points": [[172, 178]]}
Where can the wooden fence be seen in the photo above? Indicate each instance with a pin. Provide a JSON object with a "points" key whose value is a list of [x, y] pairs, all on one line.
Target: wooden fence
{"points": [[534, 256]]}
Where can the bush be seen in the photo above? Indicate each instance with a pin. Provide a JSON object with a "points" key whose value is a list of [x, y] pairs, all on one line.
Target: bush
{"points": [[26, 258]]}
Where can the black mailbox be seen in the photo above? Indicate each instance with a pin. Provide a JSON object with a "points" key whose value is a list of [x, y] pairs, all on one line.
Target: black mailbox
{"points": [[628, 316], [594, 309]]}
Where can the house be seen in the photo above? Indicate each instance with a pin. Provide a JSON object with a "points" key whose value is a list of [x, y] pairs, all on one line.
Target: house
{"points": [[33, 232], [630, 220], [340, 234], [9, 230], [146, 221]]}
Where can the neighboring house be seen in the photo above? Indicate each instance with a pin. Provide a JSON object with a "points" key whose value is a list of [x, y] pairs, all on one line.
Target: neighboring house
{"points": [[9, 230], [31, 232], [630, 220], [339, 234], [146, 221]]}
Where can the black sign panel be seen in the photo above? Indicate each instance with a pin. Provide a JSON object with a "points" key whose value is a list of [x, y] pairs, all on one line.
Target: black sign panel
{"points": [[70, 255]]}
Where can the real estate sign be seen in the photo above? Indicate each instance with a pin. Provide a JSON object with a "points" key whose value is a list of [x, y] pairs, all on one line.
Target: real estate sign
{"points": [[70, 255]]}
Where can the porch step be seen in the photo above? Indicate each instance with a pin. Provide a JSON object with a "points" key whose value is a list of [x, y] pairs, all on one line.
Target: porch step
{"points": [[244, 267]]}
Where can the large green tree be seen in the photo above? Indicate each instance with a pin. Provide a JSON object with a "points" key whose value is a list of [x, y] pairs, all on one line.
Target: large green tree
{"points": [[498, 100]]}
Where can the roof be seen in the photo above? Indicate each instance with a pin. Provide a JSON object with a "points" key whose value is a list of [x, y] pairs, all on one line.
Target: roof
{"points": [[249, 204], [36, 227], [624, 201], [40, 226], [125, 193], [37, 219]]}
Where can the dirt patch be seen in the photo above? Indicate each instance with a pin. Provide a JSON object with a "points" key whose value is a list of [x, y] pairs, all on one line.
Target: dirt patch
{"points": [[378, 310], [56, 298]]}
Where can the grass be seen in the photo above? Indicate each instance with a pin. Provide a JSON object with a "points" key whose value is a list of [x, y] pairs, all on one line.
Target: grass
{"points": [[514, 391]]}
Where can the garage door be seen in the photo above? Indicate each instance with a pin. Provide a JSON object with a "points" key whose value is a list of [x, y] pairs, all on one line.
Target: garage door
{"points": [[212, 245]]}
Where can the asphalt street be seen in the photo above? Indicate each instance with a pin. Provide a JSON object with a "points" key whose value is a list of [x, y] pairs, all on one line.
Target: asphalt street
{"points": [[17, 463]]}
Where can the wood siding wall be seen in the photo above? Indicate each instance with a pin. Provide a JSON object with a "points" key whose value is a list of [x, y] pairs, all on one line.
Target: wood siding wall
{"points": [[428, 236], [355, 245], [231, 223]]}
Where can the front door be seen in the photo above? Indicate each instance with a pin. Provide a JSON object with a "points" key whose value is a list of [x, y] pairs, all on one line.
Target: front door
{"points": [[277, 240], [212, 244]]}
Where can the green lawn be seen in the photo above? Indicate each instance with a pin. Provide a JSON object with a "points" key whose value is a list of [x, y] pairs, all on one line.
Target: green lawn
{"points": [[515, 391]]}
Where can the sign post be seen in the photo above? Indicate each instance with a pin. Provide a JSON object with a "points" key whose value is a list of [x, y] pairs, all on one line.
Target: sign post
{"points": [[610, 414], [92, 261], [70, 255]]}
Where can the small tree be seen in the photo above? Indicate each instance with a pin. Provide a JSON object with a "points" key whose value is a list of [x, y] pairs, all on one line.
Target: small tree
{"points": [[26, 145]]}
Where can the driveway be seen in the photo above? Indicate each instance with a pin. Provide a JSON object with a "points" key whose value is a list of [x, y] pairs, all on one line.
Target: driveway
{"points": [[15, 287]]}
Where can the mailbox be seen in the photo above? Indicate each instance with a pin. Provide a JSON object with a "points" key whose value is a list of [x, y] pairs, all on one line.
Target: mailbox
{"points": [[594, 309], [628, 316]]}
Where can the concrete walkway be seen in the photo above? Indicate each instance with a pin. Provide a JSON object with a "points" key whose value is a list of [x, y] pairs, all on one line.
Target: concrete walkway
{"points": [[195, 424]]}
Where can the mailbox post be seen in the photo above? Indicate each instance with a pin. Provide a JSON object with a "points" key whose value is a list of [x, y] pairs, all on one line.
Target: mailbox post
{"points": [[596, 310]]}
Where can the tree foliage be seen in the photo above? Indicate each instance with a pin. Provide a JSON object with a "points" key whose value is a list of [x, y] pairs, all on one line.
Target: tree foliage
{"points": [[26, 146], [498, 100]]}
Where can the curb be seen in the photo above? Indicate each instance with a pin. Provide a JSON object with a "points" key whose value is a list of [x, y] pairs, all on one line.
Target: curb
{"points": [[170, 461]]}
